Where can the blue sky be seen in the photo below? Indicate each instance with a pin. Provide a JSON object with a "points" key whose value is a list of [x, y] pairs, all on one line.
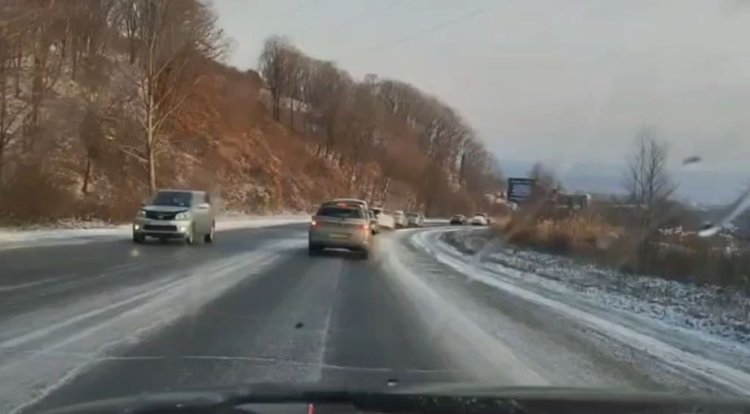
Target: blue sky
{"points": [[564, 82]]}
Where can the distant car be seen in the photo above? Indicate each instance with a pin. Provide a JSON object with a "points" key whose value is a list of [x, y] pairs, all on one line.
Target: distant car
{"points": [[176, 214], [486, 217], [400, 219], [478, 220], [340, 224], [414, 219], [374, 221], [383, 220], [458, 220]]}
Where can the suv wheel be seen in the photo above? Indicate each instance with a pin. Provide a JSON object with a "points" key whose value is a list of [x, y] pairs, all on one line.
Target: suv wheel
{"points": [[211, 235], [313, 250], [190, 236], [138, 238]]}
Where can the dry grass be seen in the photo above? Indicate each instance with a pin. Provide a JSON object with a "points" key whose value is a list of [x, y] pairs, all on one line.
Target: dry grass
{"points": [[589, 237], [575, 233]]}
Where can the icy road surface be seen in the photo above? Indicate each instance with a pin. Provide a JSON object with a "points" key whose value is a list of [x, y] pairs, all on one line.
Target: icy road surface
{"points": [[80, 322], [16, 239]]}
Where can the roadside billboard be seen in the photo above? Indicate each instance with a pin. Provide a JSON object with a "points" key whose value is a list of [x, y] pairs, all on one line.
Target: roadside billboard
{"points": [[520, 189]]}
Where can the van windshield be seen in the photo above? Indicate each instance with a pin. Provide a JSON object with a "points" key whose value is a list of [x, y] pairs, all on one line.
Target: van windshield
{"points": [[173, 198]]}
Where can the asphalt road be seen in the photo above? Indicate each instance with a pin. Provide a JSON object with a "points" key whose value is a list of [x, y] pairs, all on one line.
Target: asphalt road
{"points": [[285, 317], [110, 319]]}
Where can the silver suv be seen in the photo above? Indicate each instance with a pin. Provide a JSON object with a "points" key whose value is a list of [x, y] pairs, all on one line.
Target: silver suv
{"points": [[176, 214], [340, 224]]}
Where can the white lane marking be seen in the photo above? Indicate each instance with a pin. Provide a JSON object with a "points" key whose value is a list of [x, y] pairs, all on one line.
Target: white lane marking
{"points": [[45, 392], [30, 284], [87, 360], [327, 326], [93, 357], [73, 282], [20, 340]]}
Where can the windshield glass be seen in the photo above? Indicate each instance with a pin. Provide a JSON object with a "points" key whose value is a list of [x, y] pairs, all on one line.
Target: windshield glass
{"points": [[341, 212], [197, 194], [173, 198]]}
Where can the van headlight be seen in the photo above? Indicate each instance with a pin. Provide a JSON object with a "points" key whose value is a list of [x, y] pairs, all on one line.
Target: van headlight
{"points": [[182, 216]]}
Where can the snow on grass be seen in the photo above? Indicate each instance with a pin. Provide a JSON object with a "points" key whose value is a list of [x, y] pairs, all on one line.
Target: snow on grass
{"points": [[722, 312], [651, 315], [71, 233]]}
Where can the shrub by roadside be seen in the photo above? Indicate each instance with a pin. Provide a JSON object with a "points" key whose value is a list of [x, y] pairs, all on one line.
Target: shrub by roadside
{"points": [[681, 256]]}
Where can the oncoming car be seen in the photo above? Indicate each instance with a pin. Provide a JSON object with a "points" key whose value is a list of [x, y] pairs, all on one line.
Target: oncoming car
{"points": [[414, 219], [400, 219], [176, 214], [340, 224], [486, 217], [478, 220], [458, 219]]}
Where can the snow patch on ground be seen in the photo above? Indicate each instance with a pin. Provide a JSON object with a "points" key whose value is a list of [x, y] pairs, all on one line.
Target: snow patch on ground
{"points": [[87, 232], [689, 352]]}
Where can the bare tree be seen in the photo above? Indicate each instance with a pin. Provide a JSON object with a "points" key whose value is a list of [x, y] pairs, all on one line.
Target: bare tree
{"points": [[170, 39], [381, 131], [11, 109], [649, 185], [273, 66]]}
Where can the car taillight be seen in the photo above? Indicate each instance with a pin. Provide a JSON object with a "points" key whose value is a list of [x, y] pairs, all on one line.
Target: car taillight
{"points": [[364, 227]]}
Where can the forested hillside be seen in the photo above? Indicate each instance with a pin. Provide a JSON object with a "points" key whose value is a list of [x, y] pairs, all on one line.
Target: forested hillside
{"points": [[101, 102]]}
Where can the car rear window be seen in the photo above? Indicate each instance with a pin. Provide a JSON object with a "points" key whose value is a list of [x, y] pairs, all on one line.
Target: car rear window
{"points": [[341, 212]]}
